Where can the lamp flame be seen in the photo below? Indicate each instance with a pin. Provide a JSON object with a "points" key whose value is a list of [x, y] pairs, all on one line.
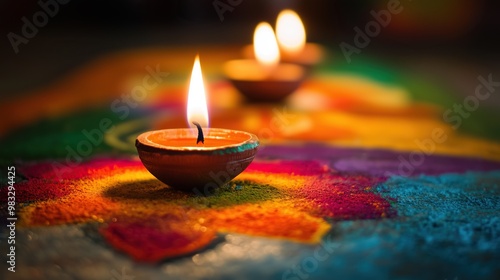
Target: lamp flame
{"points": [[290, 31], [197, 102], [265, 46]]}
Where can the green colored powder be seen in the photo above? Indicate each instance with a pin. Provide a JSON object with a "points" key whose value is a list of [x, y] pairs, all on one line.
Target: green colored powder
{"points": [[234, 193], [56, 137]]}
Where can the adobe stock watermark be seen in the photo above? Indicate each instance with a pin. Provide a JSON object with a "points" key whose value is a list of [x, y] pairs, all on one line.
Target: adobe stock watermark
{"points": [[310, 264], [362, 38], [222, 7], [454, 116], [281, 119], [29, 30], [121, 107]]}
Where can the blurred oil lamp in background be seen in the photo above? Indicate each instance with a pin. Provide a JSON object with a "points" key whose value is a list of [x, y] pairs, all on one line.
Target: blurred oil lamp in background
{"points": [[264, 78], [291, 36]]}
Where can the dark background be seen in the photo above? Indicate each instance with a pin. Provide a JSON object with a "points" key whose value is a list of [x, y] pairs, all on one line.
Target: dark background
{"points": [[426, 35]]}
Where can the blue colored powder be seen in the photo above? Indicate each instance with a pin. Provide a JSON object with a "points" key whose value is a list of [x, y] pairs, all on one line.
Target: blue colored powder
{"points": [[448, 227], [451, 222]]}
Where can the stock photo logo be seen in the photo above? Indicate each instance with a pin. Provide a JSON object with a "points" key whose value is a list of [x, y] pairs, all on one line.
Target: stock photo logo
{"points": [[362, 37], [31, 26]]}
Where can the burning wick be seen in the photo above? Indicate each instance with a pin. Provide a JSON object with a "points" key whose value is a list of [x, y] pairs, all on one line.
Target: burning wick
{"points": [[200, 134]]}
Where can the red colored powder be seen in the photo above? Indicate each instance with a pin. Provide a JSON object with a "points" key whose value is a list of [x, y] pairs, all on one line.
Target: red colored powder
{"points": [[37, 190], [63, 171], [334, 195], [347, 197], [51, 180], [303, 168], [153, 238]]}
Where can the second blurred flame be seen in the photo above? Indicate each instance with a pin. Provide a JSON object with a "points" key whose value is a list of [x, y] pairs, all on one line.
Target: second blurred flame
{"points": [[290, 31]]}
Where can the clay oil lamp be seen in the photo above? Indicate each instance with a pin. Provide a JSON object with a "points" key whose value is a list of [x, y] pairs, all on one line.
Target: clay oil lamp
{"points": [[199, 157]]}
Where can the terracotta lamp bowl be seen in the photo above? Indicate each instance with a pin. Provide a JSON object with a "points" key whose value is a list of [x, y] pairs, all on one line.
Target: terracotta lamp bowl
{"points": [[260, 84], [174, 158]]}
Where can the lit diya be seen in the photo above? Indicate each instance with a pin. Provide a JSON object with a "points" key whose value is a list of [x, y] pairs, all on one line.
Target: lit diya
{"points": [[291, 35], [264, 79], [196, 158]]}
